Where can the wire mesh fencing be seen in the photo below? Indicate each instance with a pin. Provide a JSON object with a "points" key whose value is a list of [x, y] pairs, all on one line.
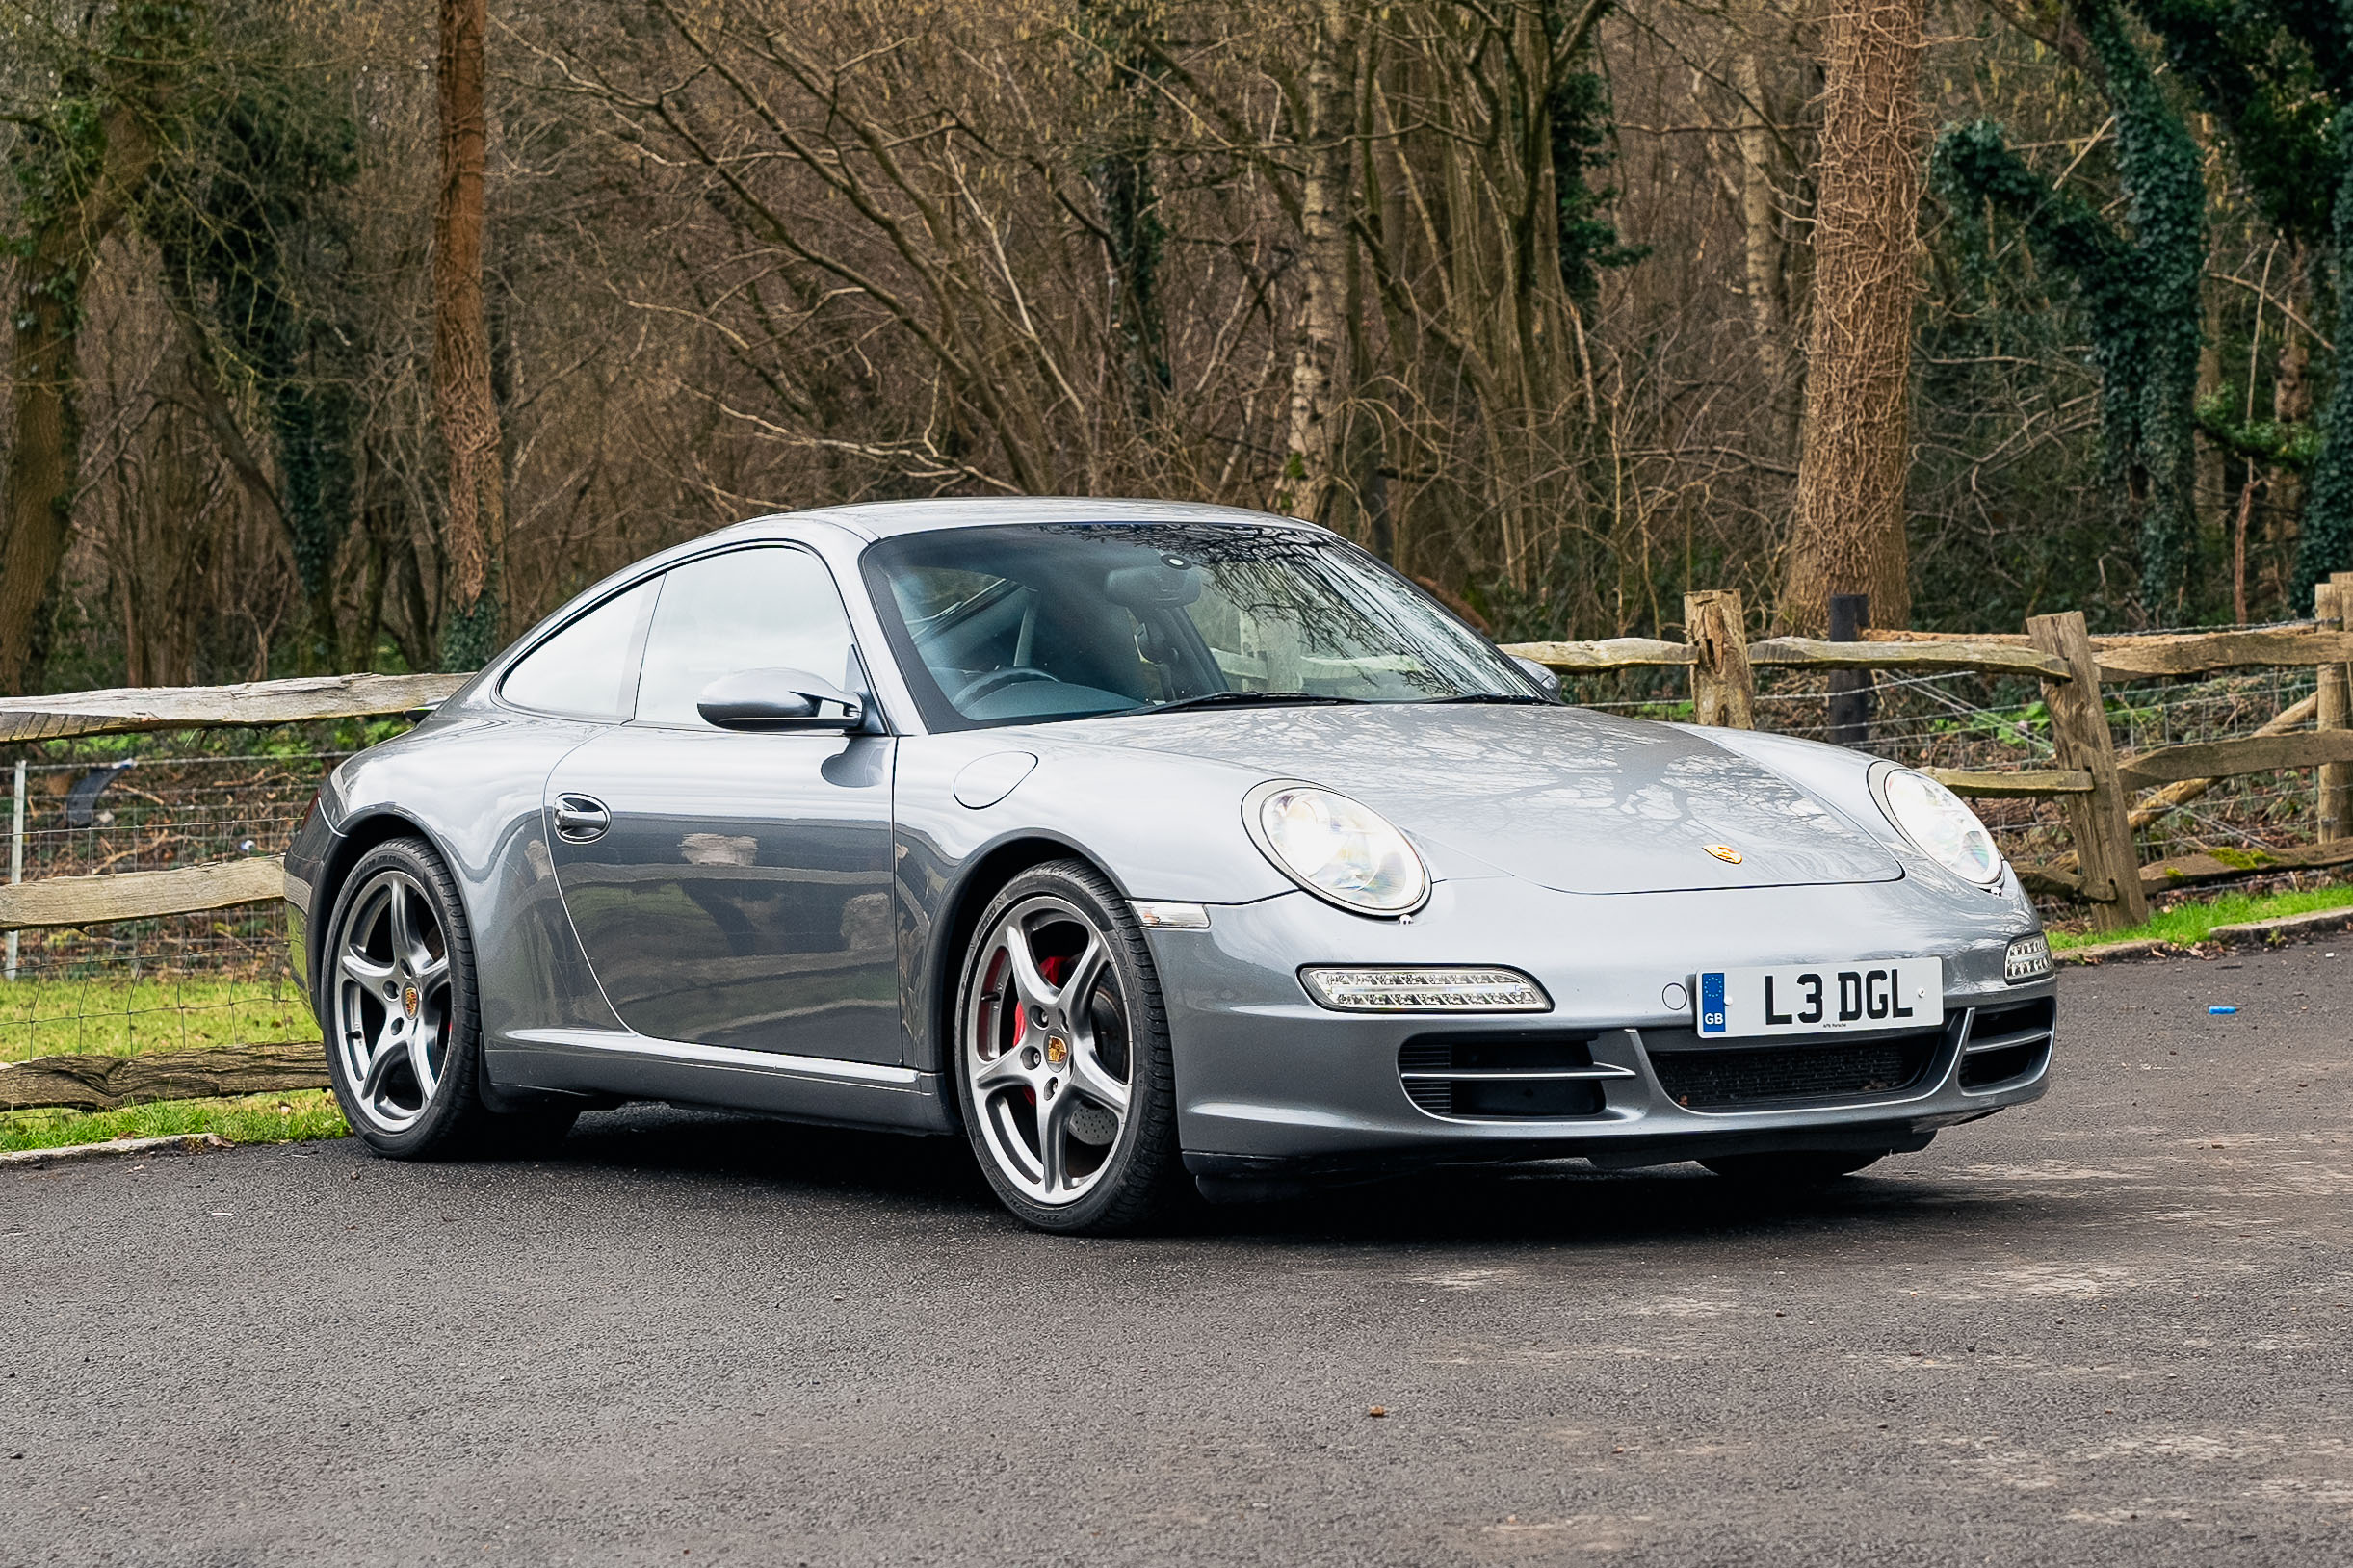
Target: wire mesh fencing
{"points": [[175, 982]]}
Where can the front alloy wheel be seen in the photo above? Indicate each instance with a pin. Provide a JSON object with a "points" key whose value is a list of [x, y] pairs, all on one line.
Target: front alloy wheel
{"points": [[1062, 1054]]}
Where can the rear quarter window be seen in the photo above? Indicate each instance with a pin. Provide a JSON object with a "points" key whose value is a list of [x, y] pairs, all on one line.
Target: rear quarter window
{"points": [[590, 669]]}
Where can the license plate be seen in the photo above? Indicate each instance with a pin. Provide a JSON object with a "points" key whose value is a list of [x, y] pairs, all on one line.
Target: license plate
{"points": [[1821, 998]]}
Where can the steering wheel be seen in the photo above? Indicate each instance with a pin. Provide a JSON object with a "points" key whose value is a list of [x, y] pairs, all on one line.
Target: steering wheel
{"points": [[996, 680]]}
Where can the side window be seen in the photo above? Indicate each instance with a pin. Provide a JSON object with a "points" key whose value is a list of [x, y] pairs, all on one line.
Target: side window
{"points": [[587, 671], [767, 608]]}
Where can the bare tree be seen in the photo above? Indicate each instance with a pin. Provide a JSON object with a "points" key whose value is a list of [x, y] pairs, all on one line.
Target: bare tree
{"points": [[474, 531], [1849, 534]]}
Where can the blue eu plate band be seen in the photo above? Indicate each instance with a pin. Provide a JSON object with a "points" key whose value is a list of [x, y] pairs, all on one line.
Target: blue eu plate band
{"points": [[1711, 1003]]}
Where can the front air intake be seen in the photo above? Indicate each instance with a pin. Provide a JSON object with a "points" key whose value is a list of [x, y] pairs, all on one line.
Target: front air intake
{"points": [[2009, 1044], [1739, 1078], [1519, 1075]]}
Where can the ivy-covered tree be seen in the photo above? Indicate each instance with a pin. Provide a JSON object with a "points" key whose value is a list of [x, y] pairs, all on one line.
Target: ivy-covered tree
{"points": [[2278, 74], [81, 160], [248, 221], [1129, 63], [1578, 109], [2139, 284], [2325, 543]]}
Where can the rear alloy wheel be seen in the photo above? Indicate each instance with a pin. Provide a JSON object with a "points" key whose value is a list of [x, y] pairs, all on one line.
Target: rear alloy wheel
{"points": [[398, 1006], [1811, 1167], [1062, 1061]]}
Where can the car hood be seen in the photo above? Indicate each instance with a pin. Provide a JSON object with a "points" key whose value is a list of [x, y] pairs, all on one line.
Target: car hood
{"points": [[1564, 797]]}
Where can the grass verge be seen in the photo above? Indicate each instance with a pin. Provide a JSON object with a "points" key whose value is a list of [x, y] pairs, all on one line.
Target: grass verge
{"points": [[66, 1017], [2190, 922], [249, 1118]]}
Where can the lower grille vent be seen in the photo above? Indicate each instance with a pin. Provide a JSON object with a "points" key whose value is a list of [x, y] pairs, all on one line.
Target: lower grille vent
{"points": [[1713, 1079], [1526, 1075], [2006, 1044]]}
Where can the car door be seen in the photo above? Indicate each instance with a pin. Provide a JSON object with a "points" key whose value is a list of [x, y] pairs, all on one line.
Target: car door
{"points": [[730, 888]]}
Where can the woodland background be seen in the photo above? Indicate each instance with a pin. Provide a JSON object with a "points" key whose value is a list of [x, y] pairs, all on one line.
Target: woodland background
{"points": [[1519, 293]]}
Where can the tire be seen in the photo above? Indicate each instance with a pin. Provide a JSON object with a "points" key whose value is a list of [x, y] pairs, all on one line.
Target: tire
{"points": [[402, 1020], [1084, 1036], [1801, 1169]]}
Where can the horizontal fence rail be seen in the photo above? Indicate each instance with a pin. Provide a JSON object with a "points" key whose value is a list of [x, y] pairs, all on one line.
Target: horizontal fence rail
{"points": [[102, 1082], [2014, 783], [133, 710], [1986, 657], [2228, 759], [141, 895], [2302, 643]]}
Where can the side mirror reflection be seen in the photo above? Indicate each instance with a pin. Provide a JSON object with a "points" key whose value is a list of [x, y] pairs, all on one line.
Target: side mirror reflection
{"points": [[1547, 680]]}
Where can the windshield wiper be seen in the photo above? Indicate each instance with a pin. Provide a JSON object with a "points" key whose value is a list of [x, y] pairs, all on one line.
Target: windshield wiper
{"points": [[1256, 699], [1486, 696]]}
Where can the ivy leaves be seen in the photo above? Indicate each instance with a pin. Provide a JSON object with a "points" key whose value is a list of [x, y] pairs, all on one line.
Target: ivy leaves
{"points": [[2140, 286]]}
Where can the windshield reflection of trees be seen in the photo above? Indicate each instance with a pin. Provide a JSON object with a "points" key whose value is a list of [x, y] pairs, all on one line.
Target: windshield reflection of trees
{"points": [[1343, 609]]}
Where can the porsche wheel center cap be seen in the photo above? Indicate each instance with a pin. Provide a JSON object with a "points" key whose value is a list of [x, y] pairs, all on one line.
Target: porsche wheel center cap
{"points": [[1058, 1050], [409, 1000]]}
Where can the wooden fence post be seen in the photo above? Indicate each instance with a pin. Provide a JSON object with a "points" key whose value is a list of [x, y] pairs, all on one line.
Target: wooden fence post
{"points": [[2099, 819], [2330, 601], [1850, 690], [1723, 687]]}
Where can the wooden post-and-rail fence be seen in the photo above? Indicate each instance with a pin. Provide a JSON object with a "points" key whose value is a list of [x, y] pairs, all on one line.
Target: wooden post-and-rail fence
{"points": [[105, 1083], [2094, 785]]}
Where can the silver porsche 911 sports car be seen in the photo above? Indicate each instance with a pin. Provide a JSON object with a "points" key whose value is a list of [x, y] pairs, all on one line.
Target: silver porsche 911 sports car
{"points": [[1144, 844]]}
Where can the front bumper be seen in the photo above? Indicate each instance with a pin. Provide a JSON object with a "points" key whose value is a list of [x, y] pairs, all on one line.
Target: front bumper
{"points": [[1269, 1084]]}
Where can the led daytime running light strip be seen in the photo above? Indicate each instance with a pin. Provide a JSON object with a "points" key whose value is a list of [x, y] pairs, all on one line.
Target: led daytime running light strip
{"points": [[1425, 988], [2029, 958]]}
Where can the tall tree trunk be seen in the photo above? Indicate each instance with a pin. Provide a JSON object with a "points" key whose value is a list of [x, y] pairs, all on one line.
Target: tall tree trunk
{"points": [[1321, 331], [1849, 533], [474, 535], [1761, 244], [45, 455]]}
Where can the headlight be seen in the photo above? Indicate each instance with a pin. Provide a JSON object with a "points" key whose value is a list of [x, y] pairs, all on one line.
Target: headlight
{"points": [[1337, 850], [1944, 829]]}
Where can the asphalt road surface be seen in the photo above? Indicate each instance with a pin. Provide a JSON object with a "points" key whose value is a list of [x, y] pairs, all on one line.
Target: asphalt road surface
{"points": [[2114, 1327]]}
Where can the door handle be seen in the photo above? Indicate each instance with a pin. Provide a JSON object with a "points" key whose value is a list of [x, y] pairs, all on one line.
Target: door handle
{"points": [[581, 818]]}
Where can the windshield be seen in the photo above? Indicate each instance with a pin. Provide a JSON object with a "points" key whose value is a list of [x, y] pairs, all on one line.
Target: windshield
{"points": [[1056, 620]]}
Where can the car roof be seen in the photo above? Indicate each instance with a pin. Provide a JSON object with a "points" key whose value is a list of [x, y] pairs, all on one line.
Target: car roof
{"points": [[881, 519]]}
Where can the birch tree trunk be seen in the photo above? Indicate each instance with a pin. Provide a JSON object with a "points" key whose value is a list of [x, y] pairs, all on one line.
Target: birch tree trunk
{"points": [[1761, 242], [1849, 535], [1322, 333], [474, 534]]}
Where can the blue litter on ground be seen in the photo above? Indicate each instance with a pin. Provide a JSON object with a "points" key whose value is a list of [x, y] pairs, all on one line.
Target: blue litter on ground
{"points": [[2222, 1009]]}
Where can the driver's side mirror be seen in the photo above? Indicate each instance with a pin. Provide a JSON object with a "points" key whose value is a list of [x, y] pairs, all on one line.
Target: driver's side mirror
{"points": [[1548, 680], [779, 699]]}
